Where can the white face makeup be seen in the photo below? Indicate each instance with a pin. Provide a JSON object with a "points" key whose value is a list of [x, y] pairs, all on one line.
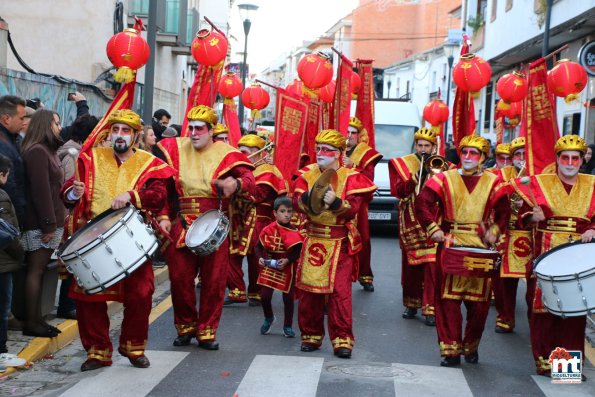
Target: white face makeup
{"points": [[569, 162], [121, 137], [326, 155], [352, 136], [200, 134], [518, 158], [470, 158]]}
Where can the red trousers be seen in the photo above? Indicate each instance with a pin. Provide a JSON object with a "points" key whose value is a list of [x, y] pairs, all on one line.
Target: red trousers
{"points": [[93, 319], [183, 267], [365, 275], [340, 319], [549, 331], [418, 285], [505, 295], [235, 278]]}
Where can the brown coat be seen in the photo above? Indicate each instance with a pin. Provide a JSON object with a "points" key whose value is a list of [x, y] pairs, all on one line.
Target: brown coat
{"points": [[11, 258], [44, 175]]}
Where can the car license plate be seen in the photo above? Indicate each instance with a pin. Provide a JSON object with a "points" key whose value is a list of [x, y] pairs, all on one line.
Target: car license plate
{"points": [[382, 216]]}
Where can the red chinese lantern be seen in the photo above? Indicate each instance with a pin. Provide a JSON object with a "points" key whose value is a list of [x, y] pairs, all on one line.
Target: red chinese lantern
{"points": [[567, 79], [436, 112], [327, 93], [512, 87], [513, 112], [230, 85], [471, 73], [127, 51], [256, 98], [209, 47], [315, 70], [355, 82], [296, 88]]}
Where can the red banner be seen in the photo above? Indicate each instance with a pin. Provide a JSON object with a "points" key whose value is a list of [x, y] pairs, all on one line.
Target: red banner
{"points": [[463, 111], [325, 116], [342, 102], [364, 110], [541, 127], [204, 89], [290, 124], [312, 127], [499, 127], [441, 146], [231, 120]]}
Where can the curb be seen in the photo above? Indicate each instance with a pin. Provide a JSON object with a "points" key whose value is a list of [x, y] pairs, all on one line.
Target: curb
{"points": [[38, 348]]}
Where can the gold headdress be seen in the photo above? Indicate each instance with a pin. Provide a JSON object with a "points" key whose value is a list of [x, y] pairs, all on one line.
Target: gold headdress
{"points": [[517, 143], [571, 142], [125, 116], [220, 129], [503, 148], [252, 140], [203, 113], [331, 137], [478, 142], [363, 133], [427, 134]]}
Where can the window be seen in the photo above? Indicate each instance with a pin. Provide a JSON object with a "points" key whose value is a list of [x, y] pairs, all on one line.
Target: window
{"points": [[508, 5], [433, 86], [494, 9]]}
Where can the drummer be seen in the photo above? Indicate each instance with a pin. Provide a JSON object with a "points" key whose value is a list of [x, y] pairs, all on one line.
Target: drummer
{"points": [[249, 217], [114, 177], [465, 199], [562, 206], [328, 265], [208, 172]]}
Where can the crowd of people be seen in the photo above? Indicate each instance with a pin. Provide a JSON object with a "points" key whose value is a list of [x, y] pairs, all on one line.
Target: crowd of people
{"points": [[307, 246]]}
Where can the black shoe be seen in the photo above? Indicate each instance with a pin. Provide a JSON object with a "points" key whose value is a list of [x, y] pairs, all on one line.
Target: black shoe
{"points": [[140, 361], [92, 364], [208, 345], [369, 287], [343, 352], [409, 313], [183, 340], [450, 361], [71, 315], [308, 348], [430, 321], [472, 358], [40, 331], [583, 377], [502, 330]]}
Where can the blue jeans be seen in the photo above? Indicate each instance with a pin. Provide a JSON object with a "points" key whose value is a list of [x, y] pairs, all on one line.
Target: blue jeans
{"points": [[5, 302]]}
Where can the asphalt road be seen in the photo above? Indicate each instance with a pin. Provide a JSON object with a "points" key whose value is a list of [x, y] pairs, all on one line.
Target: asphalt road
{"points": [[392, 356]]}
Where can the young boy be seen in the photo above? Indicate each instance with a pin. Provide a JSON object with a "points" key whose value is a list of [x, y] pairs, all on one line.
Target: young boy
{"points": [[278, 249], [11, 254]]}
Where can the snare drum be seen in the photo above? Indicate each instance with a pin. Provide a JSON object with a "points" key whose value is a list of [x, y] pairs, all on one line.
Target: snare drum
{"points": [[108, 249], [207, 233], [566, 277], [470, 261]]}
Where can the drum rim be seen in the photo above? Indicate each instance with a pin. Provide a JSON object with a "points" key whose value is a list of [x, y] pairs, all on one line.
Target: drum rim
{"points": [[128, 212], [537, 260], [134, 267], [564, 277], [486, 250], [221, 217], [573, 313]]}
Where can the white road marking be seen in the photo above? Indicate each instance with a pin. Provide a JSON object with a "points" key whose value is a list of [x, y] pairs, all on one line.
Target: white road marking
{"points": [[426, 380], [583, 389], [285, 376], [122, 379]]}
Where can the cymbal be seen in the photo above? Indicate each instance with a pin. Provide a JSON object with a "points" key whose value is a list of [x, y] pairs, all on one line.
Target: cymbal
{"points": [[327, 179]]}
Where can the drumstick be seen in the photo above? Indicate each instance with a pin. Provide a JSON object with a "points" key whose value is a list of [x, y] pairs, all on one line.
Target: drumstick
{"points": [[526, 181]]}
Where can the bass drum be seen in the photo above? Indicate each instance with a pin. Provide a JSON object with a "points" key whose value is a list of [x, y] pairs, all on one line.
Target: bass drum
{"points": [[566, 277], [207, 233], [108, 249]]}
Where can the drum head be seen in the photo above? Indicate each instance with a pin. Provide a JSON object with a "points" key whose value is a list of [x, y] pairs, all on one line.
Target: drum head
{"points": [[202, 228], [98, 226], [566, 259]]}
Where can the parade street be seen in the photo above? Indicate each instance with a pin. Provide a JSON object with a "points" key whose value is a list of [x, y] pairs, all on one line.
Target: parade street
{"points": [[392, 356]]}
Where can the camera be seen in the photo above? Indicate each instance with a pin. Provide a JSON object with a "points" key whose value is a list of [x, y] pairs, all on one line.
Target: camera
{"points": [[71, 96], [272, 263]]}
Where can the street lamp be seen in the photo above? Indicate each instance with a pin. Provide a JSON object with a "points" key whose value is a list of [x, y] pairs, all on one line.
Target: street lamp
{"points": [[449, 48], [245, 11]]}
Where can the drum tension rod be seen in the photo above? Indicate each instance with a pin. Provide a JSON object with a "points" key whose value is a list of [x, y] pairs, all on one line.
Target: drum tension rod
{"points": [[107, 247]]}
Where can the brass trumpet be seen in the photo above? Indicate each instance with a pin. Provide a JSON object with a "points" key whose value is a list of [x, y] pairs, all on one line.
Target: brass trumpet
{"points": [[268, 148], [432, 165]]}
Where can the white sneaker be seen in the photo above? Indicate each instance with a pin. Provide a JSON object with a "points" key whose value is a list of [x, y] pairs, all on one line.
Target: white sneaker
{"points": [[11, 360]]}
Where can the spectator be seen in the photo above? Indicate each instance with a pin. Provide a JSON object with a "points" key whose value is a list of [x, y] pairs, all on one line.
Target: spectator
{"points": [[28, 113], [35, 103], [11, 257], [44, 215], [12, 118], [161, 119], [589, 161], [178, 129], [170, 132], [82, 108], [490, 160], [451, 153], [148, 140], [79, 131]]}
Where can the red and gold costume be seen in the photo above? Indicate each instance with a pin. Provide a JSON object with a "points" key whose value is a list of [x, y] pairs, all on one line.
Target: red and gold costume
{"points": [[327, 266], [364, 160], [105, 176], [418, 253], [195, 193], [569, 211], [249, 218], [465, 203]]}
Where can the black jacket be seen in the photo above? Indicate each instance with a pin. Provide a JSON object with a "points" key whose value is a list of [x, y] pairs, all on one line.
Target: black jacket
{"points": [[82, 108], [15, 185]]}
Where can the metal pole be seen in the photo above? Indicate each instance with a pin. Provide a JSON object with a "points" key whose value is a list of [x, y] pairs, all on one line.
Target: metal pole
{"points": [[546, 33], [150, 67], [450, 62], [247, 24]]}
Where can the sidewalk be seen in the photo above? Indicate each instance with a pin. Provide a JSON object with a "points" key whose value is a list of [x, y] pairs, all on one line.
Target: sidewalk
{"points": [[32, 349]]}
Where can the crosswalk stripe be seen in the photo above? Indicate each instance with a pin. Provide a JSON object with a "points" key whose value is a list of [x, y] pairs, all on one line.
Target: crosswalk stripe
{"points": [[426, 380], [285, 376], [121, 379]]}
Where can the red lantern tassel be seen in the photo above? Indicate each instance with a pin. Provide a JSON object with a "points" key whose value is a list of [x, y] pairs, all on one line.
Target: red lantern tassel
{"points": [[124, 75], [503, 105]]}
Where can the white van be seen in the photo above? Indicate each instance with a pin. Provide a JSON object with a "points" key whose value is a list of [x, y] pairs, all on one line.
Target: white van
{"points": [[395, 123]]}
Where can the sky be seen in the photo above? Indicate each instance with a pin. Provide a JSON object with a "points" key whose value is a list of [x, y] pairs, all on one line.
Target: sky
{"points": [[280, 25]]}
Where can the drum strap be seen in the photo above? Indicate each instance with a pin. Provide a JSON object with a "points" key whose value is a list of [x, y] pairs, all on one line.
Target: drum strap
{"points": [[183, 221]]}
